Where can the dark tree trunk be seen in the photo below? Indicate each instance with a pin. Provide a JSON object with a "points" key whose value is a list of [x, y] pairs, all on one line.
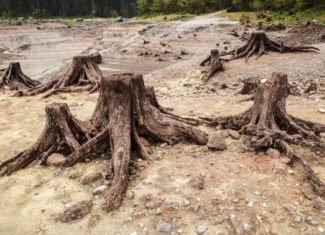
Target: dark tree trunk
{"points": [[123, 114], [14, 79], [215, 62], [271, 126], [259, 43], [83, 75]]}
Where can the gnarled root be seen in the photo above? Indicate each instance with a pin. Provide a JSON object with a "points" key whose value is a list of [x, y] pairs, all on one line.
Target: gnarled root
{"points": [[83, 75], [269, 124], [216, 65], [259, 43], [13, 78]]}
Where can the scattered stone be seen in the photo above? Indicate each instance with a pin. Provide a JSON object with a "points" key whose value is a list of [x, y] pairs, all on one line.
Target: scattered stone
{"points": [[163, 145], [163, 226], [234, 134], [201, 229], [100, 189], [187, 202], [320, 110], [319, 205], [312, 221], [273, 153], [77, 211], [159, 156], [322, 135], [240, 224], [291, 172], [280, 219], [129, 219], [197, 181], [298, 219], [129, 194], [158, 211], [93, 220], [92, 177], [76, 175], [217, 141], [320, 229]]}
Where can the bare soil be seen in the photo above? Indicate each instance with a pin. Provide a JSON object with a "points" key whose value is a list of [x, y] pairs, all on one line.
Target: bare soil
{"points": [[265, 194]]}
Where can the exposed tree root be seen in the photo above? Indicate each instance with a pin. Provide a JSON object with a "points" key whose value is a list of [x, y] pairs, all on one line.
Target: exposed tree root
{"points": [[215, 62], [269, 124], [14, 79], [125, 112], [83, 75], [259, 43]]}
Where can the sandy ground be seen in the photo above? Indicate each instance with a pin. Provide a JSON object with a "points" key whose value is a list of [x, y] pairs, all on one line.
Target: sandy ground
{"points": [[244, 193]]}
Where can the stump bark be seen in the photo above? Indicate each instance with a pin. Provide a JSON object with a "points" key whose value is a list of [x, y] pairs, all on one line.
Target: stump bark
{"points": [[123, 114], [269, 124], [216, 65], [83, 75], [259, 44], [249, 87], [13, 78]]}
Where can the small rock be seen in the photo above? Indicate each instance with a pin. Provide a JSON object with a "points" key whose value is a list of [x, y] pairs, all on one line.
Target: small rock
{"points": [[234, 134], [129, 219], [159, 156], [290, 172], [320, 229], [129, 194], [263, 80], [55, 159], [319, 205], [100, 189], [163, 145], [134, 233], [312, 221], [80, 104], [93, 220], [217, 141], [197, 181], [77, 211], [92, 177], [163, 226], [322, 135], [320, 110], [187, 202], [298, 219], [273, 153], [76, 174], [145, 142], [158, 211], [201, 229], [280, 219]]}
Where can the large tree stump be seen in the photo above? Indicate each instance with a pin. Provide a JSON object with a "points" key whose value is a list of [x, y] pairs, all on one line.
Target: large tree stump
{"points": [[269, 124], [83, 75], [215, 62], [259, 43], [123, 114], [13, 78]]}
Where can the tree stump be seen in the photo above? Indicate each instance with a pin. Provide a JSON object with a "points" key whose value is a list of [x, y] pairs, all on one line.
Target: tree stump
{"points": [[13, 78], [216, 65], [249, 87], [313, 87], [259, 43], [123, 114], [269, 124], [83, 75]]}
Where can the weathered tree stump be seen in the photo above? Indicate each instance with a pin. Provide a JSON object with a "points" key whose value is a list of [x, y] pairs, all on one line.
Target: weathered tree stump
{"points": [[249, 87], [13, 78], [313, 87], [269, 124], [123, 114], [259, 43], [83, 75], [215, 62]]}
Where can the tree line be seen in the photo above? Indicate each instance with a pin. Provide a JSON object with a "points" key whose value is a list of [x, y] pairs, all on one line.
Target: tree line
{"points": [[129, 8]]}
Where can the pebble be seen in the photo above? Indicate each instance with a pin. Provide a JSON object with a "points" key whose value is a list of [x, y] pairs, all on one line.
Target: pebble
{"points": [[273, 153], [99, 190], [92, 177], [129, 219], [163, 226], [217, 141], [134, 233], [320, 110], [290, 172], [280, 219], [234, 134], [321, 229], [187, 202], [312, 221], [163, 145], [129, 194], [298, 219], [201, 229]]}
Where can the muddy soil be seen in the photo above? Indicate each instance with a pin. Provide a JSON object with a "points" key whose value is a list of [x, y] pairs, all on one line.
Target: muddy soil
{"points": [[245, 192]]}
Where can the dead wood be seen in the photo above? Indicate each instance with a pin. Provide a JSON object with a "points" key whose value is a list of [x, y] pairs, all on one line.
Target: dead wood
{"points": [[215, 62], [125, 112], [249, 87], [269, 124], [83, 75], [313, 87], [13, 78], [260, 44]]}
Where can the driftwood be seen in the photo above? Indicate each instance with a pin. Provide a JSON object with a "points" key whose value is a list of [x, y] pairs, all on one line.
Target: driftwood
{"points": [[125, 111], [83, 75], [259, 43], [13, 78], [269, 124]]}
